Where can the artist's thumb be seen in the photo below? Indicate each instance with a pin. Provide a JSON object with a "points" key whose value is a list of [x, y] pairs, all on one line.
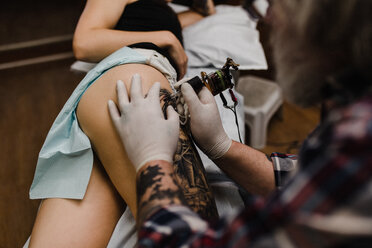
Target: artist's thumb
{"points": [[206, 96], [173, 117], [190, 97]]}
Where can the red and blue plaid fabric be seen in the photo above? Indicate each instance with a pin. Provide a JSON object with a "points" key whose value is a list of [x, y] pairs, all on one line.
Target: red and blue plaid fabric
{"points": [[323, 201]]}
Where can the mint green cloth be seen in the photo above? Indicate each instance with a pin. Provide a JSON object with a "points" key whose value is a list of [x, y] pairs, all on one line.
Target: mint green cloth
{"points": [[66, 158]]}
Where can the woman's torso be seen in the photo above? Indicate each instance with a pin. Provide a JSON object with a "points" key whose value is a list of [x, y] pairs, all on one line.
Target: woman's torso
{"points": [[150, 15]]}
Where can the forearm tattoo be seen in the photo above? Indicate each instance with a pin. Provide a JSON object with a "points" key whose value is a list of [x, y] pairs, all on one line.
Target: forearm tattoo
{"points": [[189, 170], [157, 187]]}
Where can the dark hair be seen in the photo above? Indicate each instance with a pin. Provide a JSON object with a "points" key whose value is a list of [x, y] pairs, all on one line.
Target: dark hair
{"points": [[318, 39]]}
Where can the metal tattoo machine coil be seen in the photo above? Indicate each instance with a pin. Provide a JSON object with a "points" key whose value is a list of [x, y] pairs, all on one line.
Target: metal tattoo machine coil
{"points": [[216, 82]]}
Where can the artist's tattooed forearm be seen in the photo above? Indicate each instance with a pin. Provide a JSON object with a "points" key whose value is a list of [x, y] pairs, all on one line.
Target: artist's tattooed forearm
{"points": [[157, 187], [190, 171]]}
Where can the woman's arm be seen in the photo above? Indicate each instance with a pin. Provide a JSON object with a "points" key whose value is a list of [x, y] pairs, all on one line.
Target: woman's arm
{"points": [[95, 38], [197, 13], [189, 17]]}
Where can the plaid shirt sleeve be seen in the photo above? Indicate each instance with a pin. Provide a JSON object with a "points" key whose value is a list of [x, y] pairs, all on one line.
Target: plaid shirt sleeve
{"points": [[177, 226], [310, 211]]}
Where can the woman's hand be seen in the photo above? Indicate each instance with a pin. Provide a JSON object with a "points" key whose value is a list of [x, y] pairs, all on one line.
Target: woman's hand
{"points": [[178, 54]]}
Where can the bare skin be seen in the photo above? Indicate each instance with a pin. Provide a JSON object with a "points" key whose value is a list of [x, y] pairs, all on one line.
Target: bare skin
{"points": [[248, 167]]}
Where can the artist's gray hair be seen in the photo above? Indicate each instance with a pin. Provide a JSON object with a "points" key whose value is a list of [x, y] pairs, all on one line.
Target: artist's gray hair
{"points": [[315, 39]]}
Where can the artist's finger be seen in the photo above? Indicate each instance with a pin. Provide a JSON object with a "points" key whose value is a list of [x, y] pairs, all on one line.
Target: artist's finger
{"points": [[114, 113], [173, 116], [178, 84], [136, 88], [154, 100], [122, 94], [153, 93], [205, 96], [189, 95]]}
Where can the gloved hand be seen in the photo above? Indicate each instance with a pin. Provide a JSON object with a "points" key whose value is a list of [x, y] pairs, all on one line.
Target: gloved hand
{"points": [[144, 131], [205, 122]]}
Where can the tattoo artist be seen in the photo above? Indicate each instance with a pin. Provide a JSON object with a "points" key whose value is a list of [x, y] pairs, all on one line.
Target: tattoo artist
{"points": [[324, 199]]}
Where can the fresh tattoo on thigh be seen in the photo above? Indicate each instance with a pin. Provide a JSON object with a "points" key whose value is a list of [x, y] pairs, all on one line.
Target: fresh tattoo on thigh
{"points": [[190, 171]]}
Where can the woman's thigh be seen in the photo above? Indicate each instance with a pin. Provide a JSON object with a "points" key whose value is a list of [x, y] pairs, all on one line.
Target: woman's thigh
{"points": [[79, 223], [95, 121]]}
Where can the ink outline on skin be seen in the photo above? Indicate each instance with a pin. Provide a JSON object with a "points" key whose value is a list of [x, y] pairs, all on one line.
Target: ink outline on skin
{"points": [[150, 191], [189, 170]]}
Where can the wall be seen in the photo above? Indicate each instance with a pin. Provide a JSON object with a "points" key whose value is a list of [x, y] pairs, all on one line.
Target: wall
{"points": [[31, 95]]}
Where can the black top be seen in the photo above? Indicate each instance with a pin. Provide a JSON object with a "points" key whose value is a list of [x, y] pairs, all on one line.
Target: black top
{"points": [[150, 15]]}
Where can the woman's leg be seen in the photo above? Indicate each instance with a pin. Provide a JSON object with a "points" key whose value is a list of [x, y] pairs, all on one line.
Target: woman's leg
{"points": [[95, 121], [79, 223], [91, 221]]}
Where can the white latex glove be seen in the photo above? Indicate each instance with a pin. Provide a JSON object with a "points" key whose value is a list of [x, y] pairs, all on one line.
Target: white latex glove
{"points": [[144, 131], [205, 122]]}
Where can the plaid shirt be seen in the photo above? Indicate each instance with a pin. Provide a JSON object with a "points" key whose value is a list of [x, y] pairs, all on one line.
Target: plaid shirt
{"points": [[326, 200]]}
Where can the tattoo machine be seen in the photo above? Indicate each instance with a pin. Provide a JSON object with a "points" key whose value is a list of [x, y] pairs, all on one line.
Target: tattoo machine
{"points": [[216, 82]]}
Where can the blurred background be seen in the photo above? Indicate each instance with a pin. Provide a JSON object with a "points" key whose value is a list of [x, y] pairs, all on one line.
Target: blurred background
{"points": [[35, 82]]}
